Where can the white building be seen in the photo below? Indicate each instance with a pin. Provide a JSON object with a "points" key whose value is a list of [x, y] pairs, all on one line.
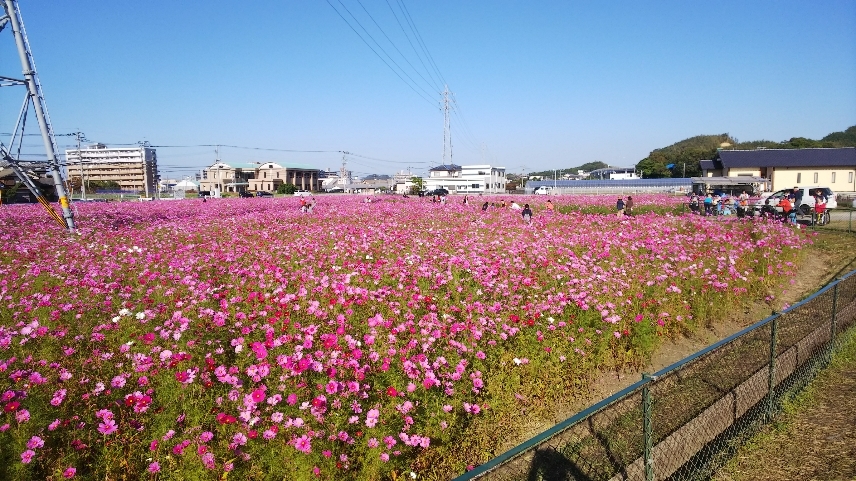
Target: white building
{"points": [[133, 168], [467, 179]]}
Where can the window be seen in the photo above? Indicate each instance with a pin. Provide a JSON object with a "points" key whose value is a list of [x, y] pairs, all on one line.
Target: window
{"points": [[799, 177], [475, 186], [833, 177], [850, 178], [481, 172], [815, 177]]}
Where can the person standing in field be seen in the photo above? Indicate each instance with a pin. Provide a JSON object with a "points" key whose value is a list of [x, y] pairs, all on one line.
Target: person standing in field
{"points": [[484, 207], [628, 206], [550, 207], [526, 213], [619, 206]]}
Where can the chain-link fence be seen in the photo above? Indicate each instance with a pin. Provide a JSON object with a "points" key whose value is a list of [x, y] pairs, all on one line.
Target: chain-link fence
{"points": [[687, 420]]}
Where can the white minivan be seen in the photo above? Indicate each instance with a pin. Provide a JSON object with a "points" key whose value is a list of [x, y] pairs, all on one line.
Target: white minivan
{"points": [[543, 190], [806, 204]]}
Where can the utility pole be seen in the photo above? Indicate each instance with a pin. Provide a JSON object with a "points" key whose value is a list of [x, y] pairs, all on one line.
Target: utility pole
{"points": [[34, 94], [82, 174]]}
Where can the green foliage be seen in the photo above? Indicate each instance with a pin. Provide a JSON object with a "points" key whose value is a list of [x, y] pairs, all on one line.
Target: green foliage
{"points": [[287, 189], [842, 139], [685, 154], [418, 184], [103, 185]]}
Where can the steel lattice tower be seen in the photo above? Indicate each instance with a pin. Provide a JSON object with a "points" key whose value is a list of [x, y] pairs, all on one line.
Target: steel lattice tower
{"points": [[24, 170]]}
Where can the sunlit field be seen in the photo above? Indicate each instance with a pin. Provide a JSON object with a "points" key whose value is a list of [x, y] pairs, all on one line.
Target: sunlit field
{"points": [[186, 340]]}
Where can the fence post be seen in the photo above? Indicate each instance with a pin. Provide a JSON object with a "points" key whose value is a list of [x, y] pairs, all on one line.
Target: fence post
{"points": [[850, 225], [647, 431], [774, 331], [834, 314]]}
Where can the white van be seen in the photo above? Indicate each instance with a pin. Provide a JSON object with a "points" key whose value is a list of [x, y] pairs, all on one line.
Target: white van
{"points": [[543, 190], [806, 205]]}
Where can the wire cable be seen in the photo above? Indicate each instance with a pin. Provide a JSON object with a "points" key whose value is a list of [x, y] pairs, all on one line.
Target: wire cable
{"points": [[437, 90], [427, 70], [420, 40], [375, 52]]}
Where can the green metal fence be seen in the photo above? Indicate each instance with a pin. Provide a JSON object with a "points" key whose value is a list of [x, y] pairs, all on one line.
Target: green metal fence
{"points": [[687, 420]]}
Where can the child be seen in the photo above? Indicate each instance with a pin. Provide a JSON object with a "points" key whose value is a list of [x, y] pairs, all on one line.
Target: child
{"points": [[526, 213]]}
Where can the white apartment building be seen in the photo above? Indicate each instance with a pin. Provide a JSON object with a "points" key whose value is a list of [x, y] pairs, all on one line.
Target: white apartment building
{"points": [[133, 168], [467, 179]]}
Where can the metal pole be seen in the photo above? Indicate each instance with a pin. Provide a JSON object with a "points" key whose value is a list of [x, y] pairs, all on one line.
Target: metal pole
{"points": [[834, 315], [82, 174], [647, 429], [34, 90], [772, 377]]}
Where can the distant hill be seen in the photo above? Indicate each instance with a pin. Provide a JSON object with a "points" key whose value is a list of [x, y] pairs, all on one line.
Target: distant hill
{"points": [[588, 167], [684, 156]]}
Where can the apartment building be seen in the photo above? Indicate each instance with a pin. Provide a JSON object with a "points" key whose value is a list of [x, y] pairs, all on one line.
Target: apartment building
{"points": [[133, 168]]}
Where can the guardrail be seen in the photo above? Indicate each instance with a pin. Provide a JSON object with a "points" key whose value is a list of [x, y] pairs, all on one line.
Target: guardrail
{"points": [[687, 420]]}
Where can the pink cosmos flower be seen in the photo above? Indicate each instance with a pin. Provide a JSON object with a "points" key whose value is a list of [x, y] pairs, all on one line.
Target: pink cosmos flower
{"points": [[303, 444], [27, 456], [107, 427], [258, 395], [69, 473], [154, 467], [35, 442]]}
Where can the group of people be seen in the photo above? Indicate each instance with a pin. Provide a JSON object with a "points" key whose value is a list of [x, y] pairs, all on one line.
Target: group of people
{"points": [[715, 204], [793, 200], [307, 205], [624, 207]]}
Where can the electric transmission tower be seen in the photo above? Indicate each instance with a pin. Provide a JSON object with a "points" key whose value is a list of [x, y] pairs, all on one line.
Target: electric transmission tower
{"points": [[26, 170], [447, 127]]}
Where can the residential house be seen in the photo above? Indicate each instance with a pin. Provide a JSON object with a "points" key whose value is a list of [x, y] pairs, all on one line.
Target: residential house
{"points": [[831, 167], [467, 179]]}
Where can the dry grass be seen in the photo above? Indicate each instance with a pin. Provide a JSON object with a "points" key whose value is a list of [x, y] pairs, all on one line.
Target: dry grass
{"points": [[816, 436]]}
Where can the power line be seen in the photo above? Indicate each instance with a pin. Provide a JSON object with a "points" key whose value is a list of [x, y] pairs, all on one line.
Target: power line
{"points": [[381, 160], [375, 51], [243, 148], [395, 46], [427, 70], [419, 39]]}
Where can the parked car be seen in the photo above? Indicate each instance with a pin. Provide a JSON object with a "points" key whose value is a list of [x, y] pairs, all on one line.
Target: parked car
{"points": [[245, 195], [302, 193], [543, 190], [440, 191], [806, 205], [263, 194]]}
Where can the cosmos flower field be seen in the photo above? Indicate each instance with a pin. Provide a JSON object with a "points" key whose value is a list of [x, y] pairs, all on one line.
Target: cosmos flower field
{"points": [[188, 340]]}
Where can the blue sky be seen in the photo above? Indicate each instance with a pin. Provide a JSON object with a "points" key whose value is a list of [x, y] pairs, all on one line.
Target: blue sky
{"points": [[541, 85]]}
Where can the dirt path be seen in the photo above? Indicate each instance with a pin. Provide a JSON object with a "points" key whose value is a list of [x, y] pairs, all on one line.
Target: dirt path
{"points": [[815, 439]]}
